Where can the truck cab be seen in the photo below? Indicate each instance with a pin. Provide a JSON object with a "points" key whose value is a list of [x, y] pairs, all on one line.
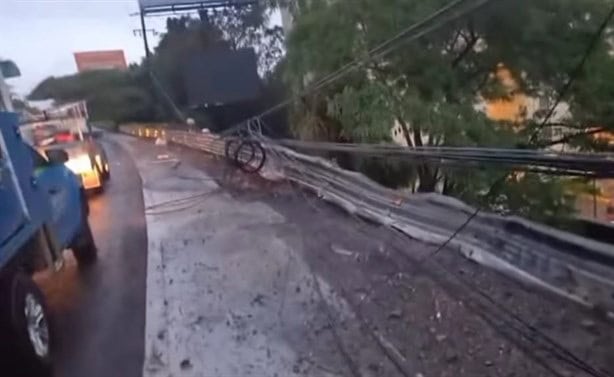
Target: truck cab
{"points": [[43, 210], [67, 127]]}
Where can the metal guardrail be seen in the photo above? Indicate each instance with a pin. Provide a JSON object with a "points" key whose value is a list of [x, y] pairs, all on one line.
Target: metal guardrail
{"points": [[571, 266]]}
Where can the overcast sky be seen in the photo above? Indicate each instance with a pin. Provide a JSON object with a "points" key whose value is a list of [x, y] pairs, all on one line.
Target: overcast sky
{"points": [[41, 35]]}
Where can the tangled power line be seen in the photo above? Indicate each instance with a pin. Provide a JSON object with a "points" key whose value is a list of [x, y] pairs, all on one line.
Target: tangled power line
{"points": [[529, 160], [248, 152], [441, 17]]}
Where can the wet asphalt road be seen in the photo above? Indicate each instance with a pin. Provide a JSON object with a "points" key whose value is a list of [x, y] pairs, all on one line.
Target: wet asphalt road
{"points": [[99, 313]]}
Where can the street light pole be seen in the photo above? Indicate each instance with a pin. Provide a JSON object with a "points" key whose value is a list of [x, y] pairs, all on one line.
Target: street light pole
{"points": [[144, 33]]}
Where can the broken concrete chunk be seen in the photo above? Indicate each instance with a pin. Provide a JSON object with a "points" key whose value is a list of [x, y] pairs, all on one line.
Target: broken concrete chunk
{"points": [[185, 364], [341, 251]]}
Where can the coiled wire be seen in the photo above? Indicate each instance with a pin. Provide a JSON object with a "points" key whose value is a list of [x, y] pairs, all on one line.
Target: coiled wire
{"points": [[248, 155]]}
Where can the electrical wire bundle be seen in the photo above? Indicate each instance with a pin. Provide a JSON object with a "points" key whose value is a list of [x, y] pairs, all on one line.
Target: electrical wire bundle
{"points": [[449, 13], [180, 204], [599, 165], [249, 155], [537, 345], [246, 154]]}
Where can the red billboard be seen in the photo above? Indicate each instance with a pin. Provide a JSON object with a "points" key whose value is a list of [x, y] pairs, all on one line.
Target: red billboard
{"points": [[94, 60]]}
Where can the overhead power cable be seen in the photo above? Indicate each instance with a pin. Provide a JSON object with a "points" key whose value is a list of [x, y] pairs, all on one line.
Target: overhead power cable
{"points": [[575, 73], [443, 16], [180, 116], [582, 164], [561, 353], [572, 75], [506, 320]]}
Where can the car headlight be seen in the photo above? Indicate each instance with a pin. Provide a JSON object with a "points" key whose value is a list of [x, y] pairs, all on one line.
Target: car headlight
{"points": [[81, 164]]}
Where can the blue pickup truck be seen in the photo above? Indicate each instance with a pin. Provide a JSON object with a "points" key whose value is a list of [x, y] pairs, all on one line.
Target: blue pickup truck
{"points": [[43, 211]]}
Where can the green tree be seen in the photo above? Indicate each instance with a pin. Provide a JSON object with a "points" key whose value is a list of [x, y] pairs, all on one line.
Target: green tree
{"points": [[229, 28], [135, 96], [430, 87], [111, 95]]}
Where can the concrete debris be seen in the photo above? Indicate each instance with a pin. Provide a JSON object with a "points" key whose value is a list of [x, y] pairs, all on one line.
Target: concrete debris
{"points": [[185, 364], [341, 251], [588, 324], [199, 320], [155, 361], [258, 300], [207, 267], [416, 320]]}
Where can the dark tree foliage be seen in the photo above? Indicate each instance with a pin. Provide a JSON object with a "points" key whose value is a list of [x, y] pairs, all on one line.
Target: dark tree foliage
{"points": [[432, 87], [134, 96], [111, 95]]}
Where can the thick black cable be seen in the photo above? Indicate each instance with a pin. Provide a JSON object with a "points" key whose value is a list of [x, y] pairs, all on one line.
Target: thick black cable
{"points": [[555, 163], [575, 73], [410, 33], [551, 346], [564, 354], [499, 181], [236, 150]]}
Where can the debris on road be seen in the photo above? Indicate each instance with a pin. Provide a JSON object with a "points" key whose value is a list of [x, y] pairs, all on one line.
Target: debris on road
{"points": [[186, 364], [392, 317], [341, 251]]}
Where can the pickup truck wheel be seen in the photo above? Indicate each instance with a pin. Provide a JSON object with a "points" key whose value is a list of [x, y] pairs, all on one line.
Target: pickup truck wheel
{"points": [[84, 248], [26, 328]]}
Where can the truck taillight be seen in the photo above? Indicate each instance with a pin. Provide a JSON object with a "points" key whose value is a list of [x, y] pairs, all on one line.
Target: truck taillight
{"points": [[81, 164]]}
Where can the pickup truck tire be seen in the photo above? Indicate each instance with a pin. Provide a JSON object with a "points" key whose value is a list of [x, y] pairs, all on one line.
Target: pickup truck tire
{"points": [[26, 330], [83, 247]]}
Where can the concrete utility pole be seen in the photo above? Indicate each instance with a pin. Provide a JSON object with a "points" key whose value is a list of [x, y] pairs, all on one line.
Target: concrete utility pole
{"points": [[144, 33]]}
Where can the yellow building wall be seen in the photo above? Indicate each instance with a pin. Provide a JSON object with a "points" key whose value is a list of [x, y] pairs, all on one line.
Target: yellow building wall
{"points": [[514, 107]]}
